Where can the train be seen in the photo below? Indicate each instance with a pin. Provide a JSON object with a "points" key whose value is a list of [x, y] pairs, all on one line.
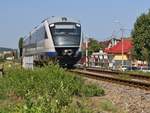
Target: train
{"points": [[56, 39]]}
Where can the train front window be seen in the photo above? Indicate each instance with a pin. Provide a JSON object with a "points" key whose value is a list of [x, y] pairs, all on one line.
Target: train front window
{"points": [[66, 32], [66, 35]]}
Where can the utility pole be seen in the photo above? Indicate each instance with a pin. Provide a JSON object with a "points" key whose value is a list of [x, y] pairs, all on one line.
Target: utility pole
{"points": [[122, 47], [86, 46]]}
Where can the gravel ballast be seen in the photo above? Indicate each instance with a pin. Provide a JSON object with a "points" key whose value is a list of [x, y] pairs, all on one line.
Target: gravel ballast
{"points": [[129, 99]]}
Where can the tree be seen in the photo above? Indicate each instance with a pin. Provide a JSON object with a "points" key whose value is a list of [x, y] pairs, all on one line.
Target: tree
{"points": [[141, 37], [93, 46], [20, 45]]}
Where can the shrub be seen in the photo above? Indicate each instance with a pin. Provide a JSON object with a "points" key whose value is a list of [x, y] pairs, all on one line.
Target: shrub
{"points": [[42, 90], [92, 90]]}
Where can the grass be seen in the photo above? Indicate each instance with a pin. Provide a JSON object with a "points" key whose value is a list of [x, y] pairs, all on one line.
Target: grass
{"points": [[48, 89], [124, 76], [107, 105], [139, 72], [92, 90]]}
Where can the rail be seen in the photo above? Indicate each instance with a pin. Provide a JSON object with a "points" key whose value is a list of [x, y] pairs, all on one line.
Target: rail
{"points": [[114, 79], [139, 76]]}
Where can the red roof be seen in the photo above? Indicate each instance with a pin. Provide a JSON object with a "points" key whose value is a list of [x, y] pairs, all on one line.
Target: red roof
{"points": [[127, 46]]}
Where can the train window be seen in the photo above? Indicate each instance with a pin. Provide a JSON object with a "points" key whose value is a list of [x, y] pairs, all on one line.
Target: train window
{"points": [[66, 35], [45, 33], [46, 37], [40, 34], [65, 26], [65, 31]]}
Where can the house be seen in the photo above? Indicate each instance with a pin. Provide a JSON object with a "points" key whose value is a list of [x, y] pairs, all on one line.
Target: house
{"points": [[109, 43], [99, 58], [7, 53], [120, 54]]}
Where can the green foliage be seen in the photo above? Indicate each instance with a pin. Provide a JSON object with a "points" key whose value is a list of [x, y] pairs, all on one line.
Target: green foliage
{"points": [[141, 37], [93, 46], [43, 90], [92, 90], [138, 72], [20, 45]]}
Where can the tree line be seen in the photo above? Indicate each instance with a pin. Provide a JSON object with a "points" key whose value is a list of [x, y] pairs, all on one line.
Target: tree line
{"points": [[141, 38]]}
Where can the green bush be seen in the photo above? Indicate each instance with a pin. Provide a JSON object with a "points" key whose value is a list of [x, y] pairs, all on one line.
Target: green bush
{"points": [[92, 90], [48, 89]]}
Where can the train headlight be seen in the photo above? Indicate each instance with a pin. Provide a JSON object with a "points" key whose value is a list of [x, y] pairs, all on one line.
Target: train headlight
{"points": [[78, 25], [52, 25], [68, 52]]}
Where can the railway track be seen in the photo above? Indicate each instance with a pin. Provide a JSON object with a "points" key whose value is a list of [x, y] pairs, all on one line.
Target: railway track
{"points": [[109, 76], [132, 76], [125, 74]]}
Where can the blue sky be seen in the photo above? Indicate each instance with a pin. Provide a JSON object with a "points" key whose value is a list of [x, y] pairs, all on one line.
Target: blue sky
{"points": [[99, 18]]}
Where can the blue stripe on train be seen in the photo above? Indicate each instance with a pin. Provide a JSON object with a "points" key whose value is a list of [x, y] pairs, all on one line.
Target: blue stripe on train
{"points": [[52, 54]]}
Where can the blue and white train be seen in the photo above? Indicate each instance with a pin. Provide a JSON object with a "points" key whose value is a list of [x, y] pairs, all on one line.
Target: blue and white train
{"points": [[56, 37]]}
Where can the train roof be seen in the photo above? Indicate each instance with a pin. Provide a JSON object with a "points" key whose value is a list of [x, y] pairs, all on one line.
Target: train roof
{"points": [[61, 19], [51, 20]]}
